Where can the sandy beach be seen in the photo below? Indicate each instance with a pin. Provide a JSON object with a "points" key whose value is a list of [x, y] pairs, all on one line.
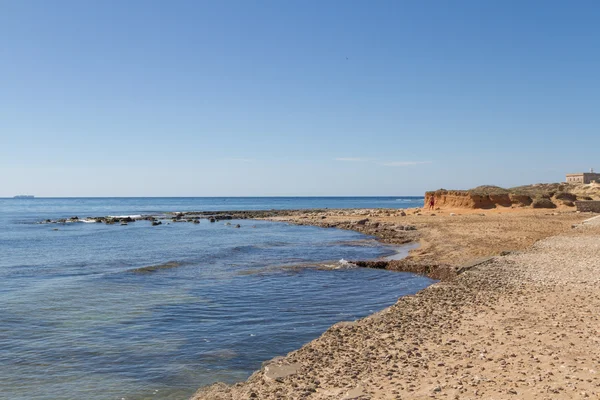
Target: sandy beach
{"points": [[513, 317]]}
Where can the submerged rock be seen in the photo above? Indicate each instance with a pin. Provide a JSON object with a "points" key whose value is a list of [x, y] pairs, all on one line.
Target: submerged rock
{"points": [[154, 268]]}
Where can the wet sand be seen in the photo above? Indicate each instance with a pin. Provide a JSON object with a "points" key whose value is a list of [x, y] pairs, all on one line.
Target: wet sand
{"points": [[515, 315]]}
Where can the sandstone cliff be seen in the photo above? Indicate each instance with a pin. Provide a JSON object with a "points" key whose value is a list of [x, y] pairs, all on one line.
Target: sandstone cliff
{"points": [[536, 196]]}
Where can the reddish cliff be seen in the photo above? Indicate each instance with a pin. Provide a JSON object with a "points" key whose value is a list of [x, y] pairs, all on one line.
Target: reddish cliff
{"points": [[536, 196]]}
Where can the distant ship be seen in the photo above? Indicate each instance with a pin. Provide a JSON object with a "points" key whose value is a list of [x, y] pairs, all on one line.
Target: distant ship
{"points": [[24, 196]]}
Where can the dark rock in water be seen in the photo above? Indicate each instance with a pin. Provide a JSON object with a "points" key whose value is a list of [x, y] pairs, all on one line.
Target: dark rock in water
{"points": [[154, 268], [98, 220], [156, 223], [212, 220], [61, 221], [110, 221], [196, 221], [48, 221], [75, 218]]}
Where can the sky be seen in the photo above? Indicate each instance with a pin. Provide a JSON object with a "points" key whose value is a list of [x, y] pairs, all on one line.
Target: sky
{"points": [[295, 98]]}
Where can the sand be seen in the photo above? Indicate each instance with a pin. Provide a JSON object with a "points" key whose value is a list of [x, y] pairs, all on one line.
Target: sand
{"points": [[521, 320]]}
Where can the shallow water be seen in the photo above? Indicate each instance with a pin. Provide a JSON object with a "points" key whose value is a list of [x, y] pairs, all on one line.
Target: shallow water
{"points": [[77, 320]]}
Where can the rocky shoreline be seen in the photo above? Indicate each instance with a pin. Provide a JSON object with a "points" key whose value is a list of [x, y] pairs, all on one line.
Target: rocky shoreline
{"points": [[514, 316], [483, 332]]}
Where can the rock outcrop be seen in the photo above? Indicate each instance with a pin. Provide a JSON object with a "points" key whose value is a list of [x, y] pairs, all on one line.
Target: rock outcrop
{"points": [[539, 195]]}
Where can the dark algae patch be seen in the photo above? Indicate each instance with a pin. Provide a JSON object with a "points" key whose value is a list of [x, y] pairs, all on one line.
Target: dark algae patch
{"points": [[155, 268]]}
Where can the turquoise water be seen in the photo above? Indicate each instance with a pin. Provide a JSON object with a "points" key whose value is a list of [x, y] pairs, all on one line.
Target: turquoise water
{"points": [[77, 321]]}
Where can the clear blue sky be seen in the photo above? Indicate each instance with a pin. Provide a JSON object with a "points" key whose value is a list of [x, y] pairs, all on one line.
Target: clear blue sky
{"points": [[198, 98]]}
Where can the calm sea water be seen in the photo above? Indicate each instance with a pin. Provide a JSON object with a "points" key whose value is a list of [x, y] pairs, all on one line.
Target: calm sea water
{"points": [[77, 322]]}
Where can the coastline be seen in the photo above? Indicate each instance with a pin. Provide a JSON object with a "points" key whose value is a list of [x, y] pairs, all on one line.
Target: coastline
{"points": [[404, 350]]}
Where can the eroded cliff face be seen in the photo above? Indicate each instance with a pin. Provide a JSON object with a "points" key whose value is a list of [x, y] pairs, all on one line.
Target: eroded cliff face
{"points": [[467, 199], [549, 195]]}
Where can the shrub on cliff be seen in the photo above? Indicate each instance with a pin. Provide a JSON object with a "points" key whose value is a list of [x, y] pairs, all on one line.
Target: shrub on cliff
{"points": [[487, 190]]}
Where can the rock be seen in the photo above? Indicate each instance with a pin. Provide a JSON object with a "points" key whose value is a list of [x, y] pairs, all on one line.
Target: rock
{"points": [[362, 221], [565, 196], [568, 203], [277, 372], [156, 223], [212, 219], [402, 214], [196, 221], [542, 202]]}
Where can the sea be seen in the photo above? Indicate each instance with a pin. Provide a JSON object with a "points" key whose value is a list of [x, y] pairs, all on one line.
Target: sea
{"points": [[83, 317]]}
